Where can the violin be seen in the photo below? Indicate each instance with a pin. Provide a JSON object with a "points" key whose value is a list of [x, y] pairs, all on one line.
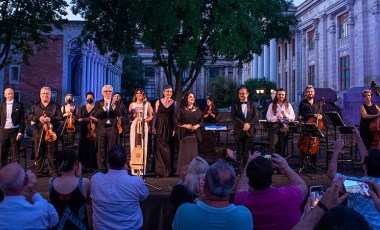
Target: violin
{"points": [[70, 128], [119, 126], [49, 133], [91, 134]]}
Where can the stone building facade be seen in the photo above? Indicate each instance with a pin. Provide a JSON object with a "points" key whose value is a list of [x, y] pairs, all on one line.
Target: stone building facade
{"points": [[65, 66]]}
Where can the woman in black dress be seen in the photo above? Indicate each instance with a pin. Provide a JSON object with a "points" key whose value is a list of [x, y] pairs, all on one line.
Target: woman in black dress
{"points": [[210, 113], [188, 120], [87, 138], [368, 112], [164, 131]]}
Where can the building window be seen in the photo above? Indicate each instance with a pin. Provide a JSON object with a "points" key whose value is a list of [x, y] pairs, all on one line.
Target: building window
{"points": [[150, 81], [14, 74], [344, 63], [310, 39], [215, 72], [312, 75], [293, 47], [343, 25], [286, 51], [279, 53], [17, 95]]}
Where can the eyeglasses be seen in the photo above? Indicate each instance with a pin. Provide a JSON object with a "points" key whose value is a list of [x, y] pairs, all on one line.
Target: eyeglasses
{"points": [[107, 91]]}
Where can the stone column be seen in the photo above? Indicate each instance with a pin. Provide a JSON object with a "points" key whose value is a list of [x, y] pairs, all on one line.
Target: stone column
{"points": [[260, 64], [266, 62], [84, 74], [255, 66], [351, 36], [318, 77], [273, 60]]}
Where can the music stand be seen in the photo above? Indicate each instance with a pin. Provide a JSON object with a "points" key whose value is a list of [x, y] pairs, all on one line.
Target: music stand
{"points": [[312, 131], [335, 119]]}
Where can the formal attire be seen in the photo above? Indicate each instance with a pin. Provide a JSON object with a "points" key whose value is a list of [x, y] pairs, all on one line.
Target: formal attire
{"points": [[365, 133], [45, 149], [116, 200], [71, 207], [12, 123], [188, 139], [164, 140], [106, 131], [200, 216], [278, 135], [141, 108], [16, 212], [209, 119], [120, 106], [68, 135], [86, 148], [241, 113]]}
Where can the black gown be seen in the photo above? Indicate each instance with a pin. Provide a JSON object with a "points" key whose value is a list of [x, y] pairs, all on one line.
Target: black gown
{"points": [[365, 134], [86, 148], [164, 140]]}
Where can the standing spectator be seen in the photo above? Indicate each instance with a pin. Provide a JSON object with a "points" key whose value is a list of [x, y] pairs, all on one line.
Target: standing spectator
{"points": [[163, 128], [188, 121], [214, 210], [16, 212], [12, 126], [70, 193], [116, 195], [45, 114], [272, 207]]}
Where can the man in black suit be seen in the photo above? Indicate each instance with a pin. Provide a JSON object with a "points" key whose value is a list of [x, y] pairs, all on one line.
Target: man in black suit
{"points": [[243, 113], [106, 112], [12, 126]]}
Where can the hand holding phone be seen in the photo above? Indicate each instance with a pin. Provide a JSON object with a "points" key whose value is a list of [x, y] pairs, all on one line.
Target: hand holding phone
{"points": [[357, 187], [316, 194]]}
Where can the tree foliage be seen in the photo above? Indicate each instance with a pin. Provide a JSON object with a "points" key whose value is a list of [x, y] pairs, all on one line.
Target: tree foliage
{"points": [[260, 83], [222, 91], [132, 76], [23, 23], [184, 34]]}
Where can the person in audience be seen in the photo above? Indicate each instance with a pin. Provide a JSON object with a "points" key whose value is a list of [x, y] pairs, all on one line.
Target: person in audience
{"points": [[271, 207], [116, 195], [371, 167], [188, 190], [214, 210], [375, 194], [70, 193], [16, 212]]}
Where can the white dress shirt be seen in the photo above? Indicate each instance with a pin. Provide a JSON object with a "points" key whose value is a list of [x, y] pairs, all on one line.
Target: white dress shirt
{"points": [[289, 113]]}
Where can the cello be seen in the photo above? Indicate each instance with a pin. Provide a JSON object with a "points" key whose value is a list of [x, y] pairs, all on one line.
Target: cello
{"points": [[308, 144]]}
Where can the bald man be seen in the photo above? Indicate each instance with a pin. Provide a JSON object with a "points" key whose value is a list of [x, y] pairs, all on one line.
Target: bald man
{"points": [[16, 211], [12, 126]]}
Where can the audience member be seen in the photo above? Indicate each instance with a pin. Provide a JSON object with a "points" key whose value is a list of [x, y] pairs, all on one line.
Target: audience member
{"points": [[116, 195], [271, 207], [371, 168], [70, 193], [15, 211], [189, 189], [214, 210]]}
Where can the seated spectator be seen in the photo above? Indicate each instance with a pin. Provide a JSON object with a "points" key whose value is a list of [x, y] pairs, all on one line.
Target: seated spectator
{"points": [[15, 211], [214, 210], [371, 167], [328, 215], [70, 193], [116, 195], [188, 190], [271, 207]]}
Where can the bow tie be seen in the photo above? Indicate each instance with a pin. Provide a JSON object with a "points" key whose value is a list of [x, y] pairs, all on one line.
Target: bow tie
{"points": [[243, 102]]}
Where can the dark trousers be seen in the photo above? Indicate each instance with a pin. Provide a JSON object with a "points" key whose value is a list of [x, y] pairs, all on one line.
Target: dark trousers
{"points": [[106, 139], [244, 144], [45, 150], [8, 138], [278, 141]]}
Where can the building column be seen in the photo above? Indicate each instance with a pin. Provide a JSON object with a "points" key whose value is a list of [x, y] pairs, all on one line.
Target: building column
{"points": [[266, 62], [273, 60], [255, 66], [84, 75], [260, 64]]}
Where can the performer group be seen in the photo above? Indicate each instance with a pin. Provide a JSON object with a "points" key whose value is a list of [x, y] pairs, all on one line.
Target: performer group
{"points": [[103, 124]]}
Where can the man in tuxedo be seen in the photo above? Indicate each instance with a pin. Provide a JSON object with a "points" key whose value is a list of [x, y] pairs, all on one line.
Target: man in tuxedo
{"points": [[46, 112], [106, 112], [12, 126], [243, 113]]}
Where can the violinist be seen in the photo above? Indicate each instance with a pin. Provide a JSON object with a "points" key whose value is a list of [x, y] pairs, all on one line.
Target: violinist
{"points": [[45, 112], [87, 138], [123, 113], [69, 112], [368, 111], [280, 112], [309, 108]]}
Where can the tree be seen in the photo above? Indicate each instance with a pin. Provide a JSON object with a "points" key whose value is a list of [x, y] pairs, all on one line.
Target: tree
{"points": [[184, 34], [132, 76], [24, 23], [260, 83], [222, 91]]}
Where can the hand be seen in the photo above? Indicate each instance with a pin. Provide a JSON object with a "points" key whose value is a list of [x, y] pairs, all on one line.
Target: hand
{"points": [[255, 155], [246, 127], [318, 116], [331, 197], [338, 145], [375, 194], [279, 162], [280, 117], [19, 137], [154, 131], [31, 187]]}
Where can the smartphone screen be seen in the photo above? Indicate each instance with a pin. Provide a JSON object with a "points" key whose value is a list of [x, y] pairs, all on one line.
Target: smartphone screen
{"points": [[356, 187], [316, 194]]}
